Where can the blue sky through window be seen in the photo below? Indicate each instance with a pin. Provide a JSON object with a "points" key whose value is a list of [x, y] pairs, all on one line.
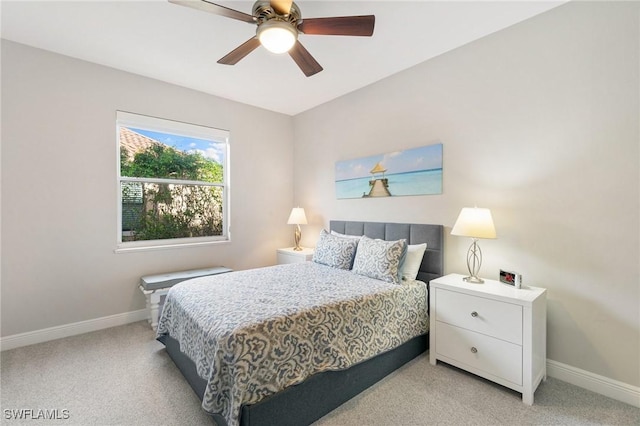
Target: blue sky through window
{"points": [[208, 149]]}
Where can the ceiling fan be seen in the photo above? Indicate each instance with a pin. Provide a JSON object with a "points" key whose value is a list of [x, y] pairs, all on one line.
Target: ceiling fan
{"points": [[279, 24]]}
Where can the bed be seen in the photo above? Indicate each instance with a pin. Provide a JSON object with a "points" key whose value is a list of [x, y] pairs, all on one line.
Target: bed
{"points": [[330, 379]]}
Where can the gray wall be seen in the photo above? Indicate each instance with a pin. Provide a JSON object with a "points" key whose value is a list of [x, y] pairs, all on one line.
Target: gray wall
{"points": [[59, 189], [540, 124]]}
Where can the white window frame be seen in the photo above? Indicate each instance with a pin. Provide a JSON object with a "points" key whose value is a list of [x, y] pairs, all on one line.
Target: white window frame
{"points": [[143, 122]]}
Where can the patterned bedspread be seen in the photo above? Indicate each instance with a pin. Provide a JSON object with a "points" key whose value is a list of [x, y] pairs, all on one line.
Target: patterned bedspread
{"points": [[253, 333]]}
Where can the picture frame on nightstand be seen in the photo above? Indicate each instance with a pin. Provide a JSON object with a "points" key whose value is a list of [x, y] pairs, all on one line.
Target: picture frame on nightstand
{"points": [[511, 278]]}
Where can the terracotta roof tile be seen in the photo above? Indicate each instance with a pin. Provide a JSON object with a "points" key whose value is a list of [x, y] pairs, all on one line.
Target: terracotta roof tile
{"points": [[134, 142]]}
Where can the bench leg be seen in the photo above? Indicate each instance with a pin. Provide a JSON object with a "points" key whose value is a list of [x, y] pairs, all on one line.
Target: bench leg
{"points": [[148, 305], [154, 301]]}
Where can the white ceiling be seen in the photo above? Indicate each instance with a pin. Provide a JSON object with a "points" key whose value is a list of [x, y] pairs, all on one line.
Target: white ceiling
{"points": [[181, 45]]}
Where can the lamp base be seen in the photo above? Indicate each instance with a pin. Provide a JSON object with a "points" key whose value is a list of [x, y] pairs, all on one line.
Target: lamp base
{"points": [[474, 260], [296, 237]]}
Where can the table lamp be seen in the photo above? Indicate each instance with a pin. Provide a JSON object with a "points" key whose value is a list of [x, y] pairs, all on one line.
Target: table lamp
{"points": [[297, 217], [476, 223]]}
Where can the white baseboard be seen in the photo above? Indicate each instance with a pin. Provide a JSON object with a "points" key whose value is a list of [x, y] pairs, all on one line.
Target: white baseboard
{"points": [[52, 333], [603, 385]]}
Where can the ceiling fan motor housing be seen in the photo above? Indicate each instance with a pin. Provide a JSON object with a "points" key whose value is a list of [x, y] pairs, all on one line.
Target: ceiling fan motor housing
{"points": [[263, 12]]}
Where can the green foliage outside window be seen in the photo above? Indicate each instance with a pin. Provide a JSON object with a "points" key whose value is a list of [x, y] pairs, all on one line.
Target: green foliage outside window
{"points": [[161, 161], [157, 211]]}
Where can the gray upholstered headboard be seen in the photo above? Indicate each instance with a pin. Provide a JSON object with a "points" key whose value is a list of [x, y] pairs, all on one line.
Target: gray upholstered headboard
{"points": [[432, 263]]}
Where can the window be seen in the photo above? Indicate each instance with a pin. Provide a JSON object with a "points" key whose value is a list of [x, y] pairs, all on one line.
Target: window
{"points": [[173, 181]]}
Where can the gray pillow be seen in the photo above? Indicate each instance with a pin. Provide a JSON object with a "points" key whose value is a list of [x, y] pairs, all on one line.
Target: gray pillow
{"points": [[380, 259], [337, 252]]}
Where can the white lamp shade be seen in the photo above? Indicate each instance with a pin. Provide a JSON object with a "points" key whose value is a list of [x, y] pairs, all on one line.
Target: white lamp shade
{"points": [[277, 36], [297, 217], [474, 222]]}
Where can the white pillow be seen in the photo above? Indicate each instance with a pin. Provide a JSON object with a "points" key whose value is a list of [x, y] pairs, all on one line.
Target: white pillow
{"points": [[412, 261], [337, 234]]}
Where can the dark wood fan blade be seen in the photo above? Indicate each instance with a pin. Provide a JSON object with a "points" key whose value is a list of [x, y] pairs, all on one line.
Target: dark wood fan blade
{"points": [[215, 8], [305, 61], [282, 7], [240, 52], [341, 25]]}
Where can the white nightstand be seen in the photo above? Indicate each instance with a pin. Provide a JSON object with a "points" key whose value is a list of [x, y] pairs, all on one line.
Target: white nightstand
{"points": [[289, 255], [493, 330]]}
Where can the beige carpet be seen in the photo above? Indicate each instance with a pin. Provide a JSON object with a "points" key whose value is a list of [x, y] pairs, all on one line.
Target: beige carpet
{"points": [[122, 376]]}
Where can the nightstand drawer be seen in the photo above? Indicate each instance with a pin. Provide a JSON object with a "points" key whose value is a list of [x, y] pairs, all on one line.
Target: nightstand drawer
{"points": [[493, 356], [491, 317]]}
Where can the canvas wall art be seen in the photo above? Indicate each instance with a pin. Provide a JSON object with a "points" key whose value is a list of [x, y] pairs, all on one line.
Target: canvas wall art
{"points": [[416, 171]]}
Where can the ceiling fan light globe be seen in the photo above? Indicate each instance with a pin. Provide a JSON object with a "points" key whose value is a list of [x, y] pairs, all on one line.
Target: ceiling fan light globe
{"points": [[277, 36]]}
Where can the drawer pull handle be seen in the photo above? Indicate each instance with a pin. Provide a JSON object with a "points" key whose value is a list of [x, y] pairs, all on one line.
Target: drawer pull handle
{"points": [[473, 350], [474, 314]]}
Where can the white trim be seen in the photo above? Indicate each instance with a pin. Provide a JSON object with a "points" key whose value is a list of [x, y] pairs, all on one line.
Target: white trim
{"points": [[611, 388], [171, 244], [170, 181], [165, 125], [53, 333], [179, 128]]}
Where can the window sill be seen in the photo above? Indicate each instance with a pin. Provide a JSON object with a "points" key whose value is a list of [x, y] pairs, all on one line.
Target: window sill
{"points": [[136, 249]]}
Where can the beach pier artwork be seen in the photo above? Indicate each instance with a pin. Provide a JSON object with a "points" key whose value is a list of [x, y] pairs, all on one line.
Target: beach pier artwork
{"points": [[415, 171], [379, 185]]}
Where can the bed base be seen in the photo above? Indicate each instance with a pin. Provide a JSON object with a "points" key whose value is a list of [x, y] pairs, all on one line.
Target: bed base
{"points": [[306, 402]]}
